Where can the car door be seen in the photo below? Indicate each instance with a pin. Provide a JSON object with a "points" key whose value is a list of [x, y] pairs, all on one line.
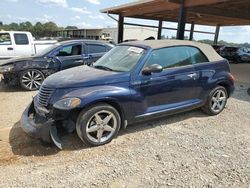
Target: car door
{"points": [[173, 88], [205, 71], [70, 55], [95, 51], [23, 46], [6, 46]]}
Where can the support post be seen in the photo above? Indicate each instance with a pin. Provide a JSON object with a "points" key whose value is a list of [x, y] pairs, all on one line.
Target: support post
{"points": [[120, 28], [181, 22], [216, 36], [191, 36], [159, 30]]}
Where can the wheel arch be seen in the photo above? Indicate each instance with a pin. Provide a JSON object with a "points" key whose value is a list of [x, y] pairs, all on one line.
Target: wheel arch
{"points": [[22, 72], [226, 85], [112, 102]]}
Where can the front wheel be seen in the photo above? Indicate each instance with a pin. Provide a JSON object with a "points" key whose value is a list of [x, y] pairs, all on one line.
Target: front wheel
{"points": [[98, 124], [31, 80], [216, 101]]}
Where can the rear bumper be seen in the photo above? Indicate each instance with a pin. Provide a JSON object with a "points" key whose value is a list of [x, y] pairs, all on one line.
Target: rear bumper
{"points": [[232, 88], [39, 129]]}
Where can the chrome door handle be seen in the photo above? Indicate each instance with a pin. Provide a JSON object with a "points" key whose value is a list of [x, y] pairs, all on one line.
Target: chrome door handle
{"points": [[192, 75], [79, 61]]}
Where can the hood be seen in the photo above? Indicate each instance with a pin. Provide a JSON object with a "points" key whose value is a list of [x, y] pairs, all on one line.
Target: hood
{"points": [[83, 76], [18, 59]]}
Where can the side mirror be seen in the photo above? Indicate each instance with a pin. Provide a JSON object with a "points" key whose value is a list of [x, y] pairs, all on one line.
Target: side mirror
{"points": [[155, 68]]}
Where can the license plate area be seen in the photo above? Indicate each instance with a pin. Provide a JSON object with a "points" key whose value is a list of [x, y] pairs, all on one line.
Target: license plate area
{"points": [[40, 110]]}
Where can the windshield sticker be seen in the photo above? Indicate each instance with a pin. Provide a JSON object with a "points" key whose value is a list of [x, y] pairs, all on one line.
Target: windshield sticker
{"points": [[135, 50]]}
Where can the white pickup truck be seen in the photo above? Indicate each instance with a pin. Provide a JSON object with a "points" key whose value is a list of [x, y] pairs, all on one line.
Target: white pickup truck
{"points": [[18, 44]]}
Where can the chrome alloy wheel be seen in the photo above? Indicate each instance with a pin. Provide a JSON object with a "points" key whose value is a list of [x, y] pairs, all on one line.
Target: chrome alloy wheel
{"points": [[32, 79], [218, 101], [101, 126]]}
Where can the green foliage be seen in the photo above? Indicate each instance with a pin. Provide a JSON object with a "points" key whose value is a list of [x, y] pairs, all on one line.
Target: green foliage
{"points": [[71, 27], [38, 30]]}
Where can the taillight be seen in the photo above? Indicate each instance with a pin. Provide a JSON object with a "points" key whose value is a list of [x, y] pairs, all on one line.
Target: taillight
{"points": [[231, 77]]}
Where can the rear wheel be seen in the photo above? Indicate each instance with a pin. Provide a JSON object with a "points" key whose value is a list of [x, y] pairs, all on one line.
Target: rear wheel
{"points": [[98, 124], [31, 79], [216, 101]]}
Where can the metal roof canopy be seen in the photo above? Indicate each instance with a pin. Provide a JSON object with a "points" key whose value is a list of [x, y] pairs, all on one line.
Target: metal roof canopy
{"points": [[204, 12]]}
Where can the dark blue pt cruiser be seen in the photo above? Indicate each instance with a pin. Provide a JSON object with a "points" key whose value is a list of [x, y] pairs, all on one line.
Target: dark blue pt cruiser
{"points": [[135, 81]]}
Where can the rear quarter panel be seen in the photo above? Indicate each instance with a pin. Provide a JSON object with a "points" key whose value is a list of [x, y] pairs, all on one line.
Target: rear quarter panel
{"points": [[210, 75]]}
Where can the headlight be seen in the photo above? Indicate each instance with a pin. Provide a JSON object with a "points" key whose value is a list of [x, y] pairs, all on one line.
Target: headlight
{"points": [[6, 68], [67, 104]]}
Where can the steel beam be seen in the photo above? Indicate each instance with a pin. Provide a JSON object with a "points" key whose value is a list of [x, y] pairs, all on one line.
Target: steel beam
{"points": [[191, 35], [159, 30], [120, 28], [216, 36], [181, 22]]}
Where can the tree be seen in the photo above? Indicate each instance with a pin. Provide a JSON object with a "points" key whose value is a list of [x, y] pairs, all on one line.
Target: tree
{"points": [[38, 30], [26, 26], [71, 27], [49, 29]]}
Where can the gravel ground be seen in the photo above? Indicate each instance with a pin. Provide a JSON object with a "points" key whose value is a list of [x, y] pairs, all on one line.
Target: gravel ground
{"points": [[184, 150]]}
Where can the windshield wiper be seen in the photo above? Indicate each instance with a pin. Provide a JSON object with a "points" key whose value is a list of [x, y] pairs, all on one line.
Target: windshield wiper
{"points": [[103, 67]]}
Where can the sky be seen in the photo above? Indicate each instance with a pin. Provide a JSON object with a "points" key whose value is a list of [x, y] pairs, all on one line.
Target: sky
{"points": [[86, 14]]}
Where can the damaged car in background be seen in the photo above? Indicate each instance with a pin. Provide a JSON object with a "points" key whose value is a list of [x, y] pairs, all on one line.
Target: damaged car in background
{"points": [[135, 81], [30, 72]]}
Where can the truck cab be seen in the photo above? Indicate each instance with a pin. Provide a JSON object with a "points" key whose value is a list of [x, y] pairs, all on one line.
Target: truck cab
{"points": [[17, 44]]}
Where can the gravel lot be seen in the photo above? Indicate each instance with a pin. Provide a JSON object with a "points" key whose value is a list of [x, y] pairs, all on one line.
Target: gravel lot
{"points": [[184, 150]]}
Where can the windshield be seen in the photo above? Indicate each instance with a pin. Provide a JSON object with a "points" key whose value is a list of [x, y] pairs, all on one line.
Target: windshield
{"points": [[120, 59], [47, 50]]}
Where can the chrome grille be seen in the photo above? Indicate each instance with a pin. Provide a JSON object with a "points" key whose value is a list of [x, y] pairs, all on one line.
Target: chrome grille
{"points": [[44, 95]]}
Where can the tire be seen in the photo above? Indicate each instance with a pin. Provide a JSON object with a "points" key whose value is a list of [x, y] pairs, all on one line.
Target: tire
{"points": [[216, 101], [248, 91], [237, 61], [31, 79], [92, 128]]}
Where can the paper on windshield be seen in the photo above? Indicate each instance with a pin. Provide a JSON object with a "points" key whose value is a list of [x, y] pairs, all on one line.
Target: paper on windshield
{"points": [[135, 50]]}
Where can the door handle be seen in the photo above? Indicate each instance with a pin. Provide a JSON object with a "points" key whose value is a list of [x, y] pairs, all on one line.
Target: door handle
{"points": [[79, 61], [10, 48], [192, 75], [88, 57]]}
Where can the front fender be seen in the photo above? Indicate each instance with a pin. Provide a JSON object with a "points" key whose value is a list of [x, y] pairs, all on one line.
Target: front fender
{"points": [[120, 96]]}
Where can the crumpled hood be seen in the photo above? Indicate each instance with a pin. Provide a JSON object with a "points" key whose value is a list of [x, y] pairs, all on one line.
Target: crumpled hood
{"points": [[83, 76], [18, 59]]}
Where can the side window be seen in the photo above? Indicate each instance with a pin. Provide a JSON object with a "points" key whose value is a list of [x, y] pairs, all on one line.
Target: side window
{"points": [[108, 48], [197, 56], [170, 57], [5, 39], [21, 39], [71, 50], [95, 48]]}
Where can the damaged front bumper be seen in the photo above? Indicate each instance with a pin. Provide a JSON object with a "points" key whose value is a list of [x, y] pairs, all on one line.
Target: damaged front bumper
{"points": [[39, 126]]}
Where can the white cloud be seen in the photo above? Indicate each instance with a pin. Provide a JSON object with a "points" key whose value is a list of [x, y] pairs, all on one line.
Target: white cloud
{"points": [[47, 16], [13, 1], [83, 25], [80, 10], [22, 19], [62, 3], [98, 17], [96, 2], [44, 18], [76, 18]]}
